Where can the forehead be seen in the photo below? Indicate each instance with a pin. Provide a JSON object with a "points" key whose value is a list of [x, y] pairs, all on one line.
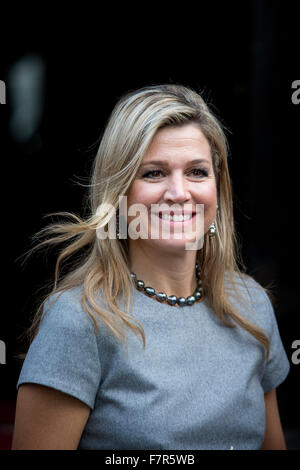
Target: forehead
{"points": [[187, 140]]}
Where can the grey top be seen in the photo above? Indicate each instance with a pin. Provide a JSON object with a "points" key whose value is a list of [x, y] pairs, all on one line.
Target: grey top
{"points": [[197, 385]]}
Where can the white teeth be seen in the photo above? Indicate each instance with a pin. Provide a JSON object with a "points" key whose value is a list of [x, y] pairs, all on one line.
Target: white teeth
{"points": [[177, 218]]}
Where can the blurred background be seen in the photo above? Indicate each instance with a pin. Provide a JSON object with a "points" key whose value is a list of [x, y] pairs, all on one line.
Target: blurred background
{"points": [[59, 85]]}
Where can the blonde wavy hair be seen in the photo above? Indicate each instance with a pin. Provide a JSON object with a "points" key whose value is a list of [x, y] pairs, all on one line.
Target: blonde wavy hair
{"points": [[102, 265]]}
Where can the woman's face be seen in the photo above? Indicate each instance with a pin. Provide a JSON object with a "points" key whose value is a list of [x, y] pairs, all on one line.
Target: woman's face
{"points": [[170, 175]]}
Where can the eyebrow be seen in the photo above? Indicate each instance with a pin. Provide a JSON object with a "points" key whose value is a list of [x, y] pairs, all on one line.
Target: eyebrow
{"points": [[166, 162]]}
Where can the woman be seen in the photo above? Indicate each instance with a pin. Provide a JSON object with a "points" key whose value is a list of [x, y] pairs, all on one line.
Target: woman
{"points": [[156, 339]]}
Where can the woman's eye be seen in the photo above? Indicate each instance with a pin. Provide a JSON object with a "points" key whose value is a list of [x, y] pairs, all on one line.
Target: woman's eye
{"points": [[146, 175], [200, 172]]}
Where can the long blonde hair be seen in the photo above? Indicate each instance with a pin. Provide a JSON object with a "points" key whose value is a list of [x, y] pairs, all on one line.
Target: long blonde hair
{"points": [[102, 264]]}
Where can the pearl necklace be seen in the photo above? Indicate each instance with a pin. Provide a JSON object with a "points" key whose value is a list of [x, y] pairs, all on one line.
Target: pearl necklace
{"points": [[171, 299]]}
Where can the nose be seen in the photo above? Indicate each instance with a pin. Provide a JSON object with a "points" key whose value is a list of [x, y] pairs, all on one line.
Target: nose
{"points": [[177, 189]]}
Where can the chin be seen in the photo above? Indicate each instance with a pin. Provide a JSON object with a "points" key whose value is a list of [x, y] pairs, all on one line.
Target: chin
{"points": [[175, 245]]}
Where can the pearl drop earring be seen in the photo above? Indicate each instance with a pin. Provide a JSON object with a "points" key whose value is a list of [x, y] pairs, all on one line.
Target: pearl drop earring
{"points": [[212, 230]]}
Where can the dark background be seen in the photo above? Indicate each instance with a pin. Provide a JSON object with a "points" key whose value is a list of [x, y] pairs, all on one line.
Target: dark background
{"points": [[240, 56]]}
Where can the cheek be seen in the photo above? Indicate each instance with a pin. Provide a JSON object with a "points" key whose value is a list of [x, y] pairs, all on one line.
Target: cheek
{"points": [[141, 194], [208, 197], [138, 194]]}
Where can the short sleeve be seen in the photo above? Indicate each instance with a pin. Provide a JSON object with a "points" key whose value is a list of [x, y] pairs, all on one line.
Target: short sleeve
{"points": [[64, 353], [277, 366]]}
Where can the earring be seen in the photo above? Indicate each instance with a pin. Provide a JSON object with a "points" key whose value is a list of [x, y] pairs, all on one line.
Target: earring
{"points": [[212, 230]]}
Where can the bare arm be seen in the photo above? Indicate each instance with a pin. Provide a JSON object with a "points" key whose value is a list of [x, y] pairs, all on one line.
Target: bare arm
{"points": [[48, 419], [274, 437]]}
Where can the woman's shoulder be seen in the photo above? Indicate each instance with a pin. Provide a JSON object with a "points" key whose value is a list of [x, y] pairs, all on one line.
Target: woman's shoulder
{"points": [[245, 285], [65, 307], [251, 297], [64, 353], [66, 297]]}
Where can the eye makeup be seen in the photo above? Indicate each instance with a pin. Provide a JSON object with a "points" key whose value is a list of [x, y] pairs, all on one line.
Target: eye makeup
{"points": [[203, 173]]}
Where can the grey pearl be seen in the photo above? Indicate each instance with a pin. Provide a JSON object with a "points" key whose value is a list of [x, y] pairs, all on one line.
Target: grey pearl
{"points": [[181, 301], [133, 275], [140, 284], [191, 300], [197, 295], [172, 299], [149, 290], [161, 296]]}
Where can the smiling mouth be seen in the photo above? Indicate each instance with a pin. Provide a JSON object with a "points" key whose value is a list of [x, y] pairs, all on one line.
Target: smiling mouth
{"points": [[176, 218]]}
